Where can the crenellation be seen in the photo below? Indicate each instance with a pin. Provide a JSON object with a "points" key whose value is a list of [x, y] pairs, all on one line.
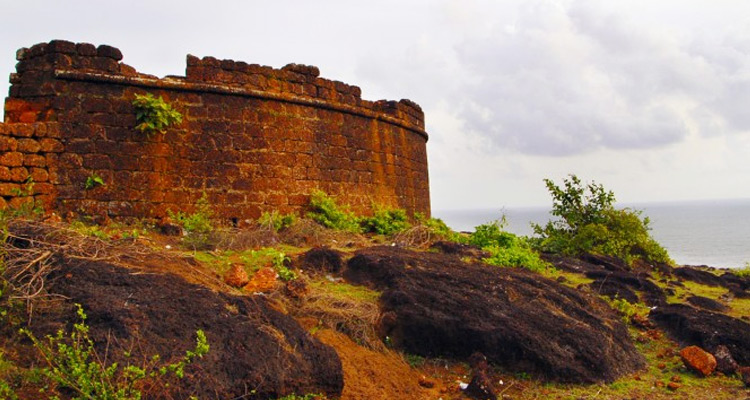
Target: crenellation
{"points": [[253, 138]]}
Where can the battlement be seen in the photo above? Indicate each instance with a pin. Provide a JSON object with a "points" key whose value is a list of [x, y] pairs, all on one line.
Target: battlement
{"points": [[253, 138]]}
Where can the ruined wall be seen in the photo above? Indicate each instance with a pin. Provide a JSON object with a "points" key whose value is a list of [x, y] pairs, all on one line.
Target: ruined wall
{"points": [[253, 138]]}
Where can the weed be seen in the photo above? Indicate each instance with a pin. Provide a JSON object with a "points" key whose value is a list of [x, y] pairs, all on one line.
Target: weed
{"points": [[93, 181], [154, 115], [276, 221], [197, 225], [743, 272], [325, 211], [385, 221], [72, 363], [505, 248], [29, 207], [623, 307], [414, 360]]}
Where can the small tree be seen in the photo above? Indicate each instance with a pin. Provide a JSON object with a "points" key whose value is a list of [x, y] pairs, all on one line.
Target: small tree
{"points": [[589, 223]]}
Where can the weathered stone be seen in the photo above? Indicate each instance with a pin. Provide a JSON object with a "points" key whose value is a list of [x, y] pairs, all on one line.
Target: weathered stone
{"points": [[236, 276], [262, 281], [724, 361], [698, 360]]}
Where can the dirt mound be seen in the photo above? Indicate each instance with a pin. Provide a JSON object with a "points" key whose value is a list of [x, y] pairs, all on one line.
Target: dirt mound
{"points": [[705, 329], [253, 346], [320, 260], [374, 375], [436, 305]]}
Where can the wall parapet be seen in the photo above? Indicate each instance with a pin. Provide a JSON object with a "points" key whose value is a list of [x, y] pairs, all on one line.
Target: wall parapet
{"points": [[253, 138]]}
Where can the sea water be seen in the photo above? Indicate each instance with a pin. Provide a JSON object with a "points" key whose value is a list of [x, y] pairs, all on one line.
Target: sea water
{"points": [[715, 233]]}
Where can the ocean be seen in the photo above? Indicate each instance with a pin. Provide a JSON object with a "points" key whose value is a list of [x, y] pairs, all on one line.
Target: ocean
{"points": [[715, 233]]}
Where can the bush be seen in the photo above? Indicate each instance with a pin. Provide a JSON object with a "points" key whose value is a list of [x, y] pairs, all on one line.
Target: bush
{"points": [[154, 115], [197, 225], [325, 211], [276, 221], [385, 222], [589, 223], [505, 248]]}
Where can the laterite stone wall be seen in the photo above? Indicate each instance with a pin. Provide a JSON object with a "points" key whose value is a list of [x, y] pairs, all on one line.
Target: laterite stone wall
{"points": [[253, 138]]}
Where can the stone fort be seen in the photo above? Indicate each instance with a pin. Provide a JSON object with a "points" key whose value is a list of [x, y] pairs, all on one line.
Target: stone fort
{"points": [[253, 139]]}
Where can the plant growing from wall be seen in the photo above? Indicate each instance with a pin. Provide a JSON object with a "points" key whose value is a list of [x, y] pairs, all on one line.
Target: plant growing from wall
{"points": [[93, 181], [154, 114]]}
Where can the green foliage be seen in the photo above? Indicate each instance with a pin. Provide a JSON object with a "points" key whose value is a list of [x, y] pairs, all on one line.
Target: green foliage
{"points": [[154, 115], [438, 228], [385, 221], [743, 272], [277, 258], [73, 363], [505, 248], [623, 307], [588, 223], [197, 225], [29, 208], [93, 181], [325, 211], [414, 361], [276, 220]]}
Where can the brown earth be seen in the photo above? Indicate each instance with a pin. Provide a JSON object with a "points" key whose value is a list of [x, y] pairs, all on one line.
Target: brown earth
{"points": [[374, 375]]}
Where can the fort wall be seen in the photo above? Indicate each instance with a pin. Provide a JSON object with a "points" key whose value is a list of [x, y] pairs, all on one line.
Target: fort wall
{"points": [[253, 138]]}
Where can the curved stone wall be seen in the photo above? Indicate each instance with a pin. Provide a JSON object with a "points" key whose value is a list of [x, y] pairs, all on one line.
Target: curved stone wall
{"points": [[253, 138]]}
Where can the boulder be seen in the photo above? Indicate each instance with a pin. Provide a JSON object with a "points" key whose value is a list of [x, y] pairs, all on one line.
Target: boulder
{"points": [[618, 282], [262, 281], [707, 303], [698, 360], [252, 345], [236, 276], [691, 326], [320, 260], [724, 361], [436, 305]]}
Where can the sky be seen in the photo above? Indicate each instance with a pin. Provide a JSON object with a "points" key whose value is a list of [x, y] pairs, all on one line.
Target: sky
{"points": [[649, 98]]}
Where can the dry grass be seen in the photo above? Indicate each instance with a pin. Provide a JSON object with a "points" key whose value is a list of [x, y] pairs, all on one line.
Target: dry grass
{"points": [[350, 311]]}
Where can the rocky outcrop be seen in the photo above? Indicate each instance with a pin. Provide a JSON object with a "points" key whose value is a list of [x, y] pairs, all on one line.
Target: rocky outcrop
{"points": [[690, 326], [435, 305], [252, 346]]}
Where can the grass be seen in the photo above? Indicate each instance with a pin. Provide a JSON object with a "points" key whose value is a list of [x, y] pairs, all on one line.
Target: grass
{"points": [[346, 291]]}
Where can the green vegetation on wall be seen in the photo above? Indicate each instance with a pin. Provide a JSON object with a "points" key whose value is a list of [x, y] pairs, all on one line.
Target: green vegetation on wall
{"points": [[154, 114]]}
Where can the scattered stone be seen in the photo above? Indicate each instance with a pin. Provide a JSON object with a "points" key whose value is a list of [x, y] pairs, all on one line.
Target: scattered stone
{"points": [[676, 378], [698, 360], [263, 281], [441, 306], [673, 386], [297, 288], [659, 384], [641, 322], [691, 326], [661, 365], [481, 386], [724, 361], [236, 276], [426, 382]]}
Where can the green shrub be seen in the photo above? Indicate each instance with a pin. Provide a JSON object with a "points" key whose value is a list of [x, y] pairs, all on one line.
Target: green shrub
{"points": [[197, 225], [72, 363], [438, 228], [93, 181], [385, 221], [276, 221], [623, 307], [505, 248], [588, 223], [154, 115], [743, 272], [325, 211]]}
